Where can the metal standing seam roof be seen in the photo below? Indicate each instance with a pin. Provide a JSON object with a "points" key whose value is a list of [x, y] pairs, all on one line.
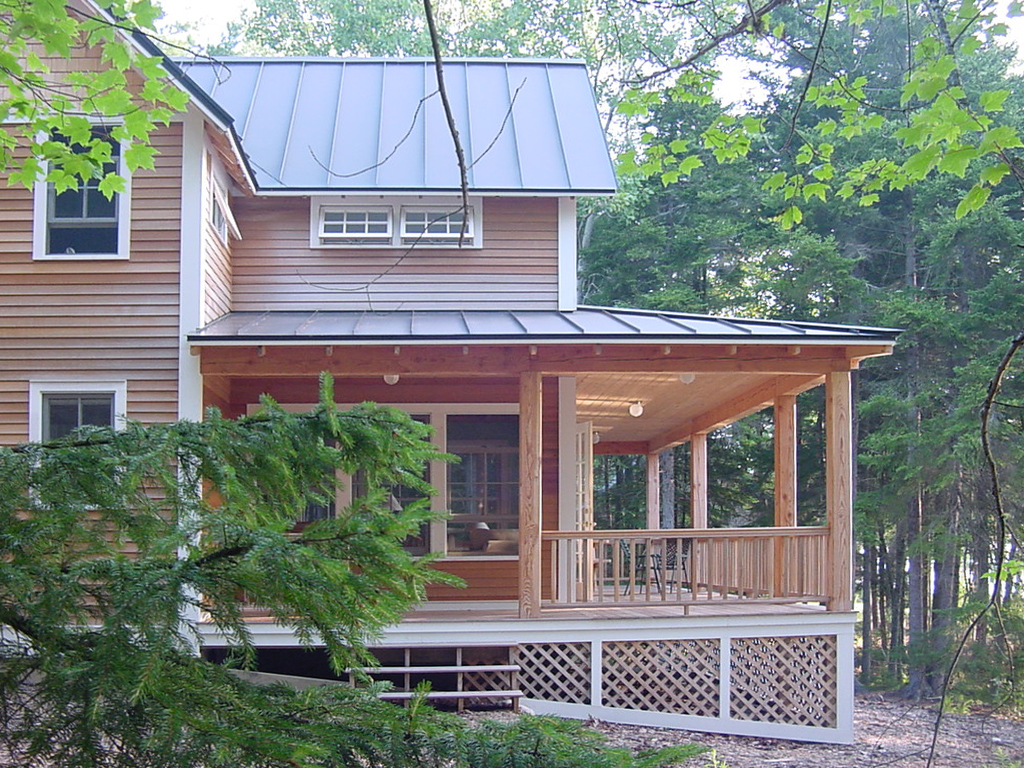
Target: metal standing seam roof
{"points": [[586, 324], [372, 125]]}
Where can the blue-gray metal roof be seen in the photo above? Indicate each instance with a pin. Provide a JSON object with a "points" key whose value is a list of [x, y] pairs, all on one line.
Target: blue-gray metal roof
{"points": [[586, 324], [369, 125]]}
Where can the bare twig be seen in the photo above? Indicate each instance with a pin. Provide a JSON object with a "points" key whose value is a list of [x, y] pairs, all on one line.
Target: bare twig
{"points": [[749, 21], [810, 74], [1001, 526], [435, 44]]}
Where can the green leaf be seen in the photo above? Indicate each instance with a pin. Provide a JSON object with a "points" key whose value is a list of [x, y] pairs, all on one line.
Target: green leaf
{"points": [[956, 161], [994, 174], [973, 200], [690, 164], [775, 181], [992, 101]]}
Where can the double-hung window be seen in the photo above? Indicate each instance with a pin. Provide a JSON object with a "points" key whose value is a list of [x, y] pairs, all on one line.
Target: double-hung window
{"points": [[81, 222]]}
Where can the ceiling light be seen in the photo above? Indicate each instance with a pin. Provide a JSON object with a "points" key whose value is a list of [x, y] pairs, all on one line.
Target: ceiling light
{"points": [[636, 410], [687, 378], [391, 378]]}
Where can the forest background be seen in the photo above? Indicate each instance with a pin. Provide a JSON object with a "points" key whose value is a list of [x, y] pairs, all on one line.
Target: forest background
{"points": [[869, 177]]}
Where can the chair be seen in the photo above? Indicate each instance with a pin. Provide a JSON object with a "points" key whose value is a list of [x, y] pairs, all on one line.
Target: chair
{"points": [[672, 562], [640, 561]]}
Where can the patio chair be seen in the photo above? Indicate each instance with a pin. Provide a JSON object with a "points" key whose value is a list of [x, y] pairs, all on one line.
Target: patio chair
{"points": [[641, 560]]}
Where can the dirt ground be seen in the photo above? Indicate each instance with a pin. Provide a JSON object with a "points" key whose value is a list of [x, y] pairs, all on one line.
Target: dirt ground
{"points": [[888, 732]]}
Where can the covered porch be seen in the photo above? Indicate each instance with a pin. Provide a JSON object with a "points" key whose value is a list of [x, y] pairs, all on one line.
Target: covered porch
{"points": [[547, 383]]}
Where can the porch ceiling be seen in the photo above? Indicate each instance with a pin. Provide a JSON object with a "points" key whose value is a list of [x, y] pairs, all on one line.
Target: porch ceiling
{"points": [[673, 408]]}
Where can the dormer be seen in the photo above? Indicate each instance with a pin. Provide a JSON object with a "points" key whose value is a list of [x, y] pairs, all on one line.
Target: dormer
{"points": [[359, 202]]}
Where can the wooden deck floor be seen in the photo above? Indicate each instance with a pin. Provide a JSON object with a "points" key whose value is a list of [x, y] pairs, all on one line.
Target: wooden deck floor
{"points": [[638, 610]]}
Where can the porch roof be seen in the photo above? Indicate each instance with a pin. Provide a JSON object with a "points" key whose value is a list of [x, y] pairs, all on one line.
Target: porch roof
{"points": [[585, 324]]}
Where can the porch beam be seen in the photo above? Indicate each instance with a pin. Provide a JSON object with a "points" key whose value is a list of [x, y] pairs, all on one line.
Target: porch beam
{"points": [[764, 359], [749, 402], [699, 480], [530, 490], [304, 358], [785, 460], [839, 489]]}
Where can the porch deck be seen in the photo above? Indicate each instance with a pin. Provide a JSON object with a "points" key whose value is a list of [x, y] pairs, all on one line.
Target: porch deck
{"points": [[639, 611]]}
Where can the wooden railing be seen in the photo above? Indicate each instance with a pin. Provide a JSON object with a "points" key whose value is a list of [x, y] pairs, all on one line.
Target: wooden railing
{"points": [[776, 565]]}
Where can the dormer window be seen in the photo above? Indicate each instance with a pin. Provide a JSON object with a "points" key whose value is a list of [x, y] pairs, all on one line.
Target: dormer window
{"points": [[393, 223], [436, 226], [81, 223], [355, 226]]}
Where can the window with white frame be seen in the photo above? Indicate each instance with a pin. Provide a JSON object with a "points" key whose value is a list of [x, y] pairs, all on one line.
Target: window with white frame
{"points": [[436, 226], [355, 226], [392, 223], [81, 222], [56, 409]]}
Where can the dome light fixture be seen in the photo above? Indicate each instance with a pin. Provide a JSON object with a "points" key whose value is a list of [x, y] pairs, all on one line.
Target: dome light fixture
{"points": [[687, 378], [636, 410], [391, 378]]}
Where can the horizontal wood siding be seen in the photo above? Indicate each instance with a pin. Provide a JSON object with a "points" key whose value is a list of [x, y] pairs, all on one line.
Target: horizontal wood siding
{"points": [[274, 267], [100, 320], [216, 255]]}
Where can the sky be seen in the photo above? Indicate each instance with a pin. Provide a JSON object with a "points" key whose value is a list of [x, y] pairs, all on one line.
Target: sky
{"points": [[209, 20]]}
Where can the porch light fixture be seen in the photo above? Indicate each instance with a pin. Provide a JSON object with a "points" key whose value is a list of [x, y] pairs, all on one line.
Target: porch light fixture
{"points": [[596, 438], [391, 378], [636, 410], [687, 378]]}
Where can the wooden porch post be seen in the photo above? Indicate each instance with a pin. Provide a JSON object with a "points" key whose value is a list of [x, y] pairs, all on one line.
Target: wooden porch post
{"points": [[699, 480], [529, 495], [785, 460], [653, 491], [839, 489], [785, 481]]}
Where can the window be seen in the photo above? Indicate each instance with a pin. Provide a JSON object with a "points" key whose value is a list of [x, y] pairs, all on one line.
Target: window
{"points": [[369, 223], [218, 220], [355, 226], [483, 487], [58, 408], [81, 223], [63, 414], [436, 226]]}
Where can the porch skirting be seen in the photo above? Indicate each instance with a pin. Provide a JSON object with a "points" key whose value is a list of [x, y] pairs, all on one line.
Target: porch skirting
{"points": [[787, 675]]}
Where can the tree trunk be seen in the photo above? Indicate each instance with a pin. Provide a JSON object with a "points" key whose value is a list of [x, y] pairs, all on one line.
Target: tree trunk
{"points": [[667, 481]]}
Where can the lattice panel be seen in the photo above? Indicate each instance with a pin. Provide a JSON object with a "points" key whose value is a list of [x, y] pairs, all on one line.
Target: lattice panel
{"points": [[486, 681], [555, 671], [785, 680], [679, 676]]}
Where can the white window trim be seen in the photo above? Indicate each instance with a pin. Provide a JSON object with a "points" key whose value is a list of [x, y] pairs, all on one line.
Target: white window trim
{"points": [[38, 389], [438, 413], [395, 205], [40, 223]]}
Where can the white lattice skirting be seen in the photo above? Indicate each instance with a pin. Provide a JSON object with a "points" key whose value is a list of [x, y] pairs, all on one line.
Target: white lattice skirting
{"points": [[787, 676]]}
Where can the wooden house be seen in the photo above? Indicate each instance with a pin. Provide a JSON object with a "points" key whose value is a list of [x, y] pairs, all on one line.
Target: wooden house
{"points": [[304, 216]]}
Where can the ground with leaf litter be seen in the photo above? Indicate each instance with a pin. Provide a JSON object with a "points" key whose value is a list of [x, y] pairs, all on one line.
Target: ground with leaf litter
{"points": [[888, 732]]}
